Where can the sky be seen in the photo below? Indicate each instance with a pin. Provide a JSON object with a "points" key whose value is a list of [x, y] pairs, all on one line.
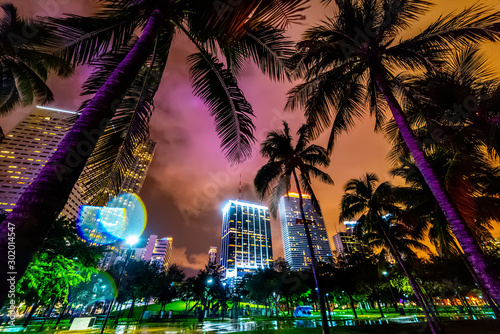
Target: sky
{"points": [[189, 179]]}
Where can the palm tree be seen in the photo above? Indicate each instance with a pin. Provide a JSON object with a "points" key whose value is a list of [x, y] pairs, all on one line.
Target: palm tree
{"points": [[456, 122], [23, 65], [375, 208], [423, 214], [351, 60], [251, 29], [274, 179]]}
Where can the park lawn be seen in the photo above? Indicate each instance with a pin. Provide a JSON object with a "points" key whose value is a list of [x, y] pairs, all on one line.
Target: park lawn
{"points": [[176, 306]]}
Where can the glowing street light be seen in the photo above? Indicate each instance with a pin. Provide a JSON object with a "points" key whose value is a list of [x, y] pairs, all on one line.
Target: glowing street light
{"points": [[132, 240]]}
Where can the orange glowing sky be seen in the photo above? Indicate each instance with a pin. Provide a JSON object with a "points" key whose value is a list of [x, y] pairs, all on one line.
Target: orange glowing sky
{"points": [[189, 179]]}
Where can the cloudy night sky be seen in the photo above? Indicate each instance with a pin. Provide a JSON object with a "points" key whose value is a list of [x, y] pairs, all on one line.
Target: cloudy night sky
{"points": [[189, 179]]}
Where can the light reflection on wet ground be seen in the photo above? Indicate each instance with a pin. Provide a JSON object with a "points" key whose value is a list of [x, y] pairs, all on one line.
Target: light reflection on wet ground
{"points": [[235, 326], [240, 325]]}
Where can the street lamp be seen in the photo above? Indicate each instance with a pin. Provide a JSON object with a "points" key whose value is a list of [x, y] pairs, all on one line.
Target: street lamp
{"points": [[130, 241], [329, 309], [395, 302], [276, 305], [203, 309]]}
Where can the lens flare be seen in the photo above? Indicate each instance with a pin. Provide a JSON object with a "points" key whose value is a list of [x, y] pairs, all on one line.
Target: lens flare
{"points": [[136, 213], [101, 225], [100, 288], [123, 217]]}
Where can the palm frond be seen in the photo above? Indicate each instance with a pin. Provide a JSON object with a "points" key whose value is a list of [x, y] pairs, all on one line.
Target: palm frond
{"points": [[398, 15], [85, 38], [118, 147], [269, 49], [266, 177], [454, 31], [218, 88], [281, 189]]}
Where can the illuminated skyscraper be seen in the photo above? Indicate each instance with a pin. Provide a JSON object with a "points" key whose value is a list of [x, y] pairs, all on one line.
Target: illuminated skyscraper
{"points": [[212, 255], [135, 176], [246, 244], [26, 149], [159, 251], [131, 183], [346, 242], [294, 236]]}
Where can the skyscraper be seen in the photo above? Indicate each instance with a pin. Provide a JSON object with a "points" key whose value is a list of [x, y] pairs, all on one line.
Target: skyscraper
{"points": [[293, 232], [246, 244], [131, 183], [26, 149], [135, 176], [346, 242], [212, 255], [159, 251]]}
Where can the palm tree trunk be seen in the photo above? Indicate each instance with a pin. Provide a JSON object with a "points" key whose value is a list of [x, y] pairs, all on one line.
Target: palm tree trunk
{"points": [[472, 251], [486, 295], [324, 320], [44, 199], [431, 319], [328, 306]]}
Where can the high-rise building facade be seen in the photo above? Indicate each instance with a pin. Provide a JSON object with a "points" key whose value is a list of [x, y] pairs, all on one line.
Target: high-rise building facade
{"points": [[246, 244], [159, 251], [131, 183], [212, 255], [293, 232], [346, 243], [135, 176], [27, 147]]}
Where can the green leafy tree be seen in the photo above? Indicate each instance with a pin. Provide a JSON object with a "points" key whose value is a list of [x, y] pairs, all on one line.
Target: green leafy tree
{"points": [[261, 286], [137, 282], [64, 261], [300, 162], [350, 63], [168, 285]]}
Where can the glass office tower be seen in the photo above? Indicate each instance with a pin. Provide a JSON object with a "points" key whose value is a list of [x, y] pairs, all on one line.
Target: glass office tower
{"points": [[246, 244]]}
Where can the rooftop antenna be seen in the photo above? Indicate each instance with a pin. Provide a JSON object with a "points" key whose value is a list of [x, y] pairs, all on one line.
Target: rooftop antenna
{"points": [[239, 193]]}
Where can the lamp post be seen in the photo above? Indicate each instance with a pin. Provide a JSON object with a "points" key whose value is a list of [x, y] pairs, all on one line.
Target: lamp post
{"points": [[396, 307], [201, 315], [329, 309], [276, 305], [130, 241]]}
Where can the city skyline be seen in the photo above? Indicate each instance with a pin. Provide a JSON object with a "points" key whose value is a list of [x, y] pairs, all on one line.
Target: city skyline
{"points": [[186, 140]]}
